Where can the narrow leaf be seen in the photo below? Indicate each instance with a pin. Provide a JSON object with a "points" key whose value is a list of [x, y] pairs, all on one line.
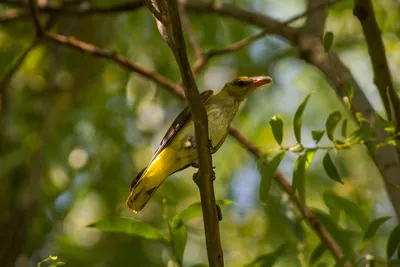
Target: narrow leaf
{"points": [[277, 128], [179, 237], [316, 254], [344, 128], [310, 153], [130, 227], [299, 177], [330, 168], [298, 118], [350, 91], [374, 226], [269, 259], [267, 174], [195, 210], [393, 242], [331, 123], [351, 209], [317, 135], [328, 41]]}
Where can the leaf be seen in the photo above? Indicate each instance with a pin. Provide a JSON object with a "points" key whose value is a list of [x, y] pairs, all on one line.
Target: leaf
{"points": [[328, 41], [351, 209], [267, 174], [277, 128], [344, 128], [130, 227], [269, 259], [331, 123], [195, 210], [374, 226], [330, 168], [317, 135], [298, 118], [334, 210], [316, 254], [299, 177], [393, 242], [349, 91], [179, 237]]}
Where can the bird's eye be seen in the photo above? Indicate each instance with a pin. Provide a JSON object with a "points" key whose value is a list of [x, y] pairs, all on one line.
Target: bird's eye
{"points": [[241, 83]]}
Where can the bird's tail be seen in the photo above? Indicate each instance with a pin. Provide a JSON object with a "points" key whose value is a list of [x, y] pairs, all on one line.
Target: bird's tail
{"points": [[149, 179]]}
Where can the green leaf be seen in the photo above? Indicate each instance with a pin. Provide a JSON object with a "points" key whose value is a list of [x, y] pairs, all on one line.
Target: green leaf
{"points": [[331, 123], [298, 118], [316, 254], [130, 227], [393, 242], [277, 128], [195, 210], [178, 239], [334, 210], [317, 135], [310, 153], [374, 226], [269, 259], [267, 174], [350, 91], [328, 41], [299, 177], [351, 209], [344, 128], [330, 168]]}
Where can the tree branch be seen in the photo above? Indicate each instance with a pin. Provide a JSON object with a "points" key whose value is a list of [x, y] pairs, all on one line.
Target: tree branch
{"points": [[363, 10], [315, 22]]}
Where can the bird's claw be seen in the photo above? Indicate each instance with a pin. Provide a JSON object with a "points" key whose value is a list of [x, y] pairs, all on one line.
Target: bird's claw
{"points": [[219, 212]]}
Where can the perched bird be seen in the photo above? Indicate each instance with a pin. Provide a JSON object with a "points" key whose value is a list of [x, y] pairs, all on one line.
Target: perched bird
{"points": [[177, 149]]}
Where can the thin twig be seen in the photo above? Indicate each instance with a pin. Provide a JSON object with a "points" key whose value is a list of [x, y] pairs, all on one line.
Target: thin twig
{"points": [[187, 26], [35, 18]]}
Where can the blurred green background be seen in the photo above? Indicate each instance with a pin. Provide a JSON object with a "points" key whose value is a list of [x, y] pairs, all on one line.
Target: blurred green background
{"points": [[76, 129]]}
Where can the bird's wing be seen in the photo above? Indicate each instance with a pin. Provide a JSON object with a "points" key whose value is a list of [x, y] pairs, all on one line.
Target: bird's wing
{"points": [[178, 124], [173, 130]]}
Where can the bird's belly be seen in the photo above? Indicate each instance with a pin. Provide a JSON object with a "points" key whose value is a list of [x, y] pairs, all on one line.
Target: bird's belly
{"points": [[218, 124]]}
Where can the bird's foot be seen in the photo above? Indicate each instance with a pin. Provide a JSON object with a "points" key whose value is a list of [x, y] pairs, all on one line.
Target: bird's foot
{"points": [[189, 143], [195, 165], [213, 176]]}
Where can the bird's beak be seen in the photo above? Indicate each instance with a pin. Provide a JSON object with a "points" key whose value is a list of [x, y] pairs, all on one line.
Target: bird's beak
{"points": [[261, 80]]}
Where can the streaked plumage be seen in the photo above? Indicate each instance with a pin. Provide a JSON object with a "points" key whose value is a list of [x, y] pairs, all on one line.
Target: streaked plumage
{"points": [[177, 150]]}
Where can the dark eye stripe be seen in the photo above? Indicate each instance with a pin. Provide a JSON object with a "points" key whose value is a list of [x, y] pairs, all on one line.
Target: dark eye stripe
{"points": [[241, 83]]}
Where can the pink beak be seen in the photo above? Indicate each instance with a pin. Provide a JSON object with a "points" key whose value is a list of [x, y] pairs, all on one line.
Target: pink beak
{"points": [[261, 80]]}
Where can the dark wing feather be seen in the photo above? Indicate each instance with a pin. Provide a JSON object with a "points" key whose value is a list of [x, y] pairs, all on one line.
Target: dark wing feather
{"points": [[173, 130], [178, 124]]}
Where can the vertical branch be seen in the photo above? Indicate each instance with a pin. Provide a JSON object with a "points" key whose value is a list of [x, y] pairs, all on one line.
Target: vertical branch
{"points": [[170, 28], [363, 10]]}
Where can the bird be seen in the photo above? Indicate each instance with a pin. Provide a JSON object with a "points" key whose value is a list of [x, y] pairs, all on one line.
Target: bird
{"points": [[177, 150]]}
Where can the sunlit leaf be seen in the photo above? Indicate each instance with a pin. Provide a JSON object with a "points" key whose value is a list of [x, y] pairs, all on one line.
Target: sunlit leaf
{"points": [[130, 227], [299, 177], [330, 168], [374, 226], [178, 239], [317, 253], [317, 135], [277, 128], [267, 174], [310, 153], [331, 123], [328, 41], [393, 242], [298, 118]]}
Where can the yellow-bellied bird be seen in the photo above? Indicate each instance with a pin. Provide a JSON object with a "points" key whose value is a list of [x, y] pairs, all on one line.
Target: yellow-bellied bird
{"points": [[177, 150]]}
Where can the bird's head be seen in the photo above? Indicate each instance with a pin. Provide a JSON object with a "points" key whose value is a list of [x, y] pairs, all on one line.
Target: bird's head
{"points": [[242, 86]]}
